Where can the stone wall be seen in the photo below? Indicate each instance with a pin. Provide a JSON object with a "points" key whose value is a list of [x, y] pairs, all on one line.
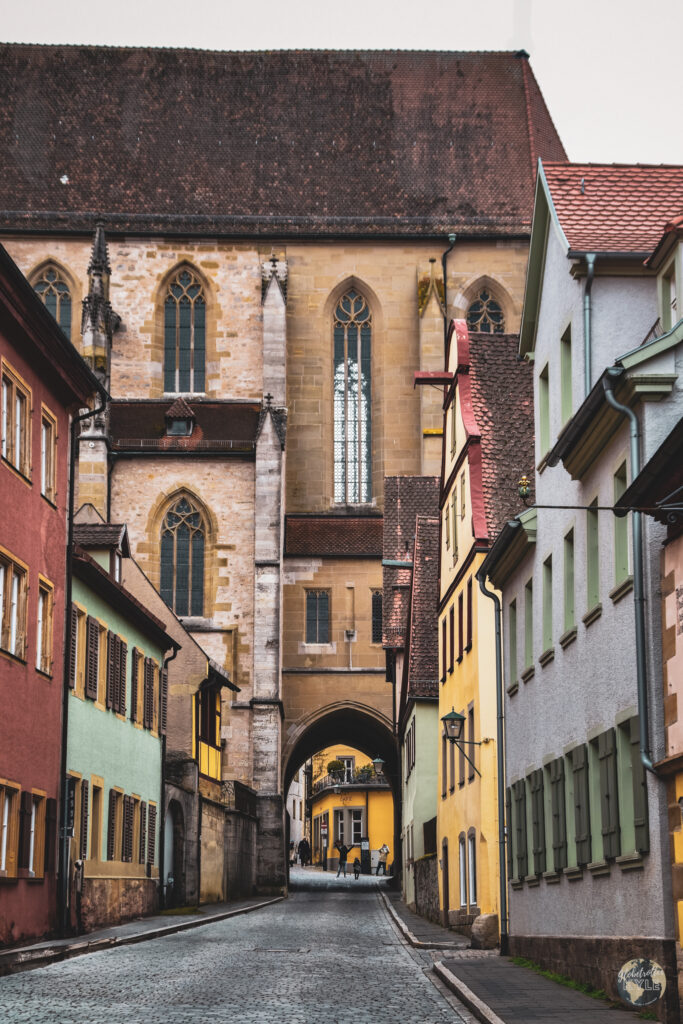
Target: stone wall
{"points": [[240, 854], [105, 902], [427, 888], [212, 873]]}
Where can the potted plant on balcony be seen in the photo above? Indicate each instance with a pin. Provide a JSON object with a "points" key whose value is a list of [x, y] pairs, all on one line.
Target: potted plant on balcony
{"points": [[364, 773], [335, 769]]}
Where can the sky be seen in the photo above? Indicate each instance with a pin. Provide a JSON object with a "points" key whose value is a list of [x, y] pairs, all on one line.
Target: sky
{"points": [[612, 88]]}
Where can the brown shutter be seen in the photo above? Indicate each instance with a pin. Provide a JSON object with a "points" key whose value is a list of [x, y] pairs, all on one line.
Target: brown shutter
{"points": [[111, 829], [73, 649], [50, 833], [451, 646], [151, 834], [127, 843], [92, 657], [84, 820], [469, 613], [145, 693], [134, 685], [163, 715], [25, 809], [143, 832], [111, 669], [123, 664]]}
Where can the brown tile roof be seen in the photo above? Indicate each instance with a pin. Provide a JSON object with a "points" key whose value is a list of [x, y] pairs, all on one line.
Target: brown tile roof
{"points": [[102, 535], [180, 410], [336, 142], [423, 633], [405, 497], [334, 536], [227, 427], [614, 207]]}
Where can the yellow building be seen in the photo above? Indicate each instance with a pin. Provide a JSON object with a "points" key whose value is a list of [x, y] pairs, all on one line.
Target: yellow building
{"points": [[350, 804], [487, 447]]}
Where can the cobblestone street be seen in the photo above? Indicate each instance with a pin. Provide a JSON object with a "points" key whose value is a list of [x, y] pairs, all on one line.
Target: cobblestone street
{"points": [[325, 955]]}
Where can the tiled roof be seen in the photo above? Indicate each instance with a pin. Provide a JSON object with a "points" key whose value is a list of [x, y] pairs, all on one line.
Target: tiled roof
{"points": [[614, 207], [334, 536], [229, 427], [502, 401], [102, 535], [180, 410], [423, 639], [405, 497], [334, 142]]}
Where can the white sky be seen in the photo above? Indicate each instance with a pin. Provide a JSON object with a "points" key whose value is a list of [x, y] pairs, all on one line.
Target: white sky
{"points": [[609, 69]]}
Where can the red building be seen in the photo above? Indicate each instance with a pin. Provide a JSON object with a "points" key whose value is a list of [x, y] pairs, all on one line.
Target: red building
{"points": [[44, 382]]}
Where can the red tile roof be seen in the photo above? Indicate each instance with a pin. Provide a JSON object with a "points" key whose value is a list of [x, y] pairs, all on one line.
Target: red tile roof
{"points": [[423, 632], [334, 536], [614, 207], [330, 142], [228, 427]]}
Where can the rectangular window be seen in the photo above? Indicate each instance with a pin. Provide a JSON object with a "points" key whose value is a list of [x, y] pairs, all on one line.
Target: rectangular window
{"points": [[453, 428], [9, 829], [444, 648], [377, 616], [461, 764], [151, 833], [472, 868], [16, 427], [548, 603], [13, 604], [529, 624], [339, 826], [566, 375], [461, 625], [44, 627], [462, 856], [538, 820], [558, 813], [114, 824], [620, 529], [96, 824], [446, 531], [444, 766], [544, 411], [356, 827], [509, 831], [592, 557], [84, 791], [451, 765], [512, 641], [454, 524], [48, 455], [32, 834], [463, 494], [569, 614], [468, 645], [317, 616], [471, 751], [451, 646]]}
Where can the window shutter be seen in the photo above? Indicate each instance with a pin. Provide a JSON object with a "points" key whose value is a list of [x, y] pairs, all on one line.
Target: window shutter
{"points": [[111, 829], [508, 831], [581, 805], [25, 809], [92, 657], [559, 814], [111, 669], [151, 834], [163, 712], [323, 617], [639, 776], [134, 685], [83, 841], [451, 646], [123, 665], [609, 799], [50, 833], [127, 842], [469, 612], [145, 694], [519, 790], [148, 699], [143, 832], [538, 820], [73, 649]]}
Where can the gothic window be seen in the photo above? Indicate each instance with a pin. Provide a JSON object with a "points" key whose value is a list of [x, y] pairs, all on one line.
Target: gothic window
{"points": [[184, 334], [485, 314], [352, 398], [182, 558], [54, 291]]}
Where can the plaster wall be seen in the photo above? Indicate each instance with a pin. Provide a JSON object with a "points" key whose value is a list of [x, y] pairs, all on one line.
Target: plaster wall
{"points": [[419, 788]]}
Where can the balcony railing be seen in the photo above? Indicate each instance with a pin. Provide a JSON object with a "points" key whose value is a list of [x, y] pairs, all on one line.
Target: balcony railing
{"points": [[346, 778]]}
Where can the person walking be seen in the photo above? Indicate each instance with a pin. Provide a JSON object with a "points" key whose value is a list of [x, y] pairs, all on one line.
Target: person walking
{"points": [[304, 852], [343, 856], [382, 862]]}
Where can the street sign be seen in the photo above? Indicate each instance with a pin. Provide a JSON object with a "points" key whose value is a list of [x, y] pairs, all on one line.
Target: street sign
{"points": [[70, 806]]}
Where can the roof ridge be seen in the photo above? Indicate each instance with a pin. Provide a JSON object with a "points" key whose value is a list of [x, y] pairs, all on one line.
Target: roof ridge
{"points": [[515, 54]]}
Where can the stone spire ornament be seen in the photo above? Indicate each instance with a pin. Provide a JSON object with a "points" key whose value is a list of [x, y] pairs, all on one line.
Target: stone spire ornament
{"points": [[99, 322]]}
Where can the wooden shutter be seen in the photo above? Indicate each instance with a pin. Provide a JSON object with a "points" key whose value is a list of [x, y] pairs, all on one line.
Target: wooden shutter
{"points": [[111, 829], [148, 695], [25, 809], [163, 710], [151, 834], [134, 685], [508, 832], [444, 651], [83, 842], [73, 649], [537, 820], [451, 646], [92, 657], [123, 666], [127, 842], [519, 790], [111, 669], [143, 832], [581, 805], [50, 833], [609, 798], [461, 639], [469, 613], [559, 814], [639, 776]]}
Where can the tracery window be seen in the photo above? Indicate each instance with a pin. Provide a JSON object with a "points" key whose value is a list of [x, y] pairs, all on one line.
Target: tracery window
{"points": [[352, 400], [55, 293], [485, 314], [182, 558], [184, 334]]}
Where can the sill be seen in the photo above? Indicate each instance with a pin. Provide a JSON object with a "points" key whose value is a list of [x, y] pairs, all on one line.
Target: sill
{"points": [[621, 589], [468, 648], [45, 675], [552, 877], [443, 679], [533, 880], [512, 688], [573, 874], [568, 637], [50, 501], [599, 868], [459, 659], [592, 615], [630, 862], [528, 674], [516, 883], [546, 657], [18, 472], [6, 879], [450, 669], [13, 657]]}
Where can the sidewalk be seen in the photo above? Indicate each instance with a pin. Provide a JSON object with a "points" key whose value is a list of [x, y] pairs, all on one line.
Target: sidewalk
{"points": [[23, 958], [419, 932]]}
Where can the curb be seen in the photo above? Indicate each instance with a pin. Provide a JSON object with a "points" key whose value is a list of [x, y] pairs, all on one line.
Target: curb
{"points": [[16, 961], [408, 935], [473, 1003]]}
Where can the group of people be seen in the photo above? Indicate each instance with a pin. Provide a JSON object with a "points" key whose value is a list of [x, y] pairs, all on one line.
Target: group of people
{"points": [[344, 856]]}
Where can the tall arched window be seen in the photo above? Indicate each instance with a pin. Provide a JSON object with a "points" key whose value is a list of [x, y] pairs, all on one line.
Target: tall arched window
{"points": [[182, 558], [55, 293], [485, 314], [184, 334], [352, 400]]}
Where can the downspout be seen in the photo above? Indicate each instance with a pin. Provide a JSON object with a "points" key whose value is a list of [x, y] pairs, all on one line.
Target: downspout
{"points": [[444, 270], [587, 327], [162, 833], [63, 888], [500, 755], [638, 592]]}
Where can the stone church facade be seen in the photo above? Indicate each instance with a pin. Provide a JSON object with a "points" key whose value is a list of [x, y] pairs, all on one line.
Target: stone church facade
{"points": [[276, 229]]}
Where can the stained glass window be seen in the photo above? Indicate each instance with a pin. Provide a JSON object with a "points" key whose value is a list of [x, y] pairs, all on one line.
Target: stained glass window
{"points": [[184, 335], [182, 559], [55, 293], [352, 398], [485, 315]]}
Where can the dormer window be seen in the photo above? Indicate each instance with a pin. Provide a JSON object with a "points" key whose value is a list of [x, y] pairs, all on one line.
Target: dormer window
{"points": [[116, 565], [179, 428], [179, 419], [669, 303]]}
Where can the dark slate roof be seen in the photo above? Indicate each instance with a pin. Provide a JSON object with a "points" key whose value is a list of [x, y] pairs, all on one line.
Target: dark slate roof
{"points": [[290, 142], [422, 662], [220, 427], [102, 535], [334, 536], [503, 404], [405, 497]]}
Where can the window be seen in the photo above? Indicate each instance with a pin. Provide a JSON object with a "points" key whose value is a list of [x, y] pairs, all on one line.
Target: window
{"points": [[114, 824], [512, 641], [84, 789], [96, 823], [454, 432], [32, 834], [16, 427], [377, 616], [209, 716], [137, 686], [54, 292], [460, 625], [592, 557], [538, 819], [468, 645], [470, 738], [569, 619], [184, 334], [48, 455], [77, 649], [454, 524], [9, 828], [117, 659], [352, 400], [444, 648], [566, 375], [669, 301], [485, 315], [472, 867], [620, 529], [317, 616], [446, 530], [462, 858], [44, 627], [151, 833], [92, 657], [444, 766], [548, 603], [13, 602], [356, 827], [338, 826], [150, 695], [451, 646], [451, 765], [463, 494], [182, 558], [529, 624], [544, 411], [558, 813]]}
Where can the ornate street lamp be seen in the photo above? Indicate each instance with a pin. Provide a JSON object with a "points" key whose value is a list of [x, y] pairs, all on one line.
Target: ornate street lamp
{"points": [[453, 725], [379, 766]]}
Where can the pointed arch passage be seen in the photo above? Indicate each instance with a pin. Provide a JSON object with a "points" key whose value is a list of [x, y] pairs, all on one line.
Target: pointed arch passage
{"points": [[183, 542], [352, 400], [55, 293], [185, 334]]}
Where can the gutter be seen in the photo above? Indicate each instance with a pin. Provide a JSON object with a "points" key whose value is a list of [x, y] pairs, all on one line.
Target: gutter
{"points": [[613, 373], [587, 339], [444, 269]]}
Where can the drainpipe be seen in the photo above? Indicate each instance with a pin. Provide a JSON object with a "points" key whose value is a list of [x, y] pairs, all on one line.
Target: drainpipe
{"points": [[162, 832], [638, 594], [500, 754], [444, 268], [587, 339], [63, 888]]}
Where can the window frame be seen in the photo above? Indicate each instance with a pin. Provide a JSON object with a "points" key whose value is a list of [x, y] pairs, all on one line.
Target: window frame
{"points": [[197, 333], [13, 385], [359, 490], [48, 455], [45, 626], [13, 624], [9, 828], [317, 593]]}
